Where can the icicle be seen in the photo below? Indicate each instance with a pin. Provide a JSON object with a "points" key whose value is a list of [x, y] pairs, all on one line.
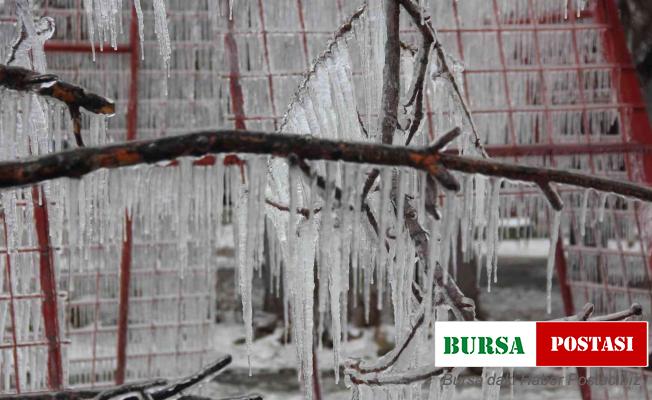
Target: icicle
{"points": [[491, 378], [554, 235], [141, 27], [583, 210], [381, 255], [492, 232], [511, 383], [162, 34], [88, 7], [602, 206]]}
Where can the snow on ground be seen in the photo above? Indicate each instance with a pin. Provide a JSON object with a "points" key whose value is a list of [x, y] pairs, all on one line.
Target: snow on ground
{"points": [[538, 248], [520, 294], [270, 354]]}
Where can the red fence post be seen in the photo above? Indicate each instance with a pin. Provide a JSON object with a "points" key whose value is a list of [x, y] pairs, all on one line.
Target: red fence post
{"points": [[49, 288], [235, 89], [123, 316], [125, 261]]}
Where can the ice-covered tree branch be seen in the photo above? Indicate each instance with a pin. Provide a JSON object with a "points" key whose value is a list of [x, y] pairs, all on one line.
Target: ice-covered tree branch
{"points": [[78, 162], [47, 85], [158, 389], [585, 315]]}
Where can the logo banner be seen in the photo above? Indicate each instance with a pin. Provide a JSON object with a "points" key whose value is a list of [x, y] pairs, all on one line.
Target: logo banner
{"points": [[538, 344]]}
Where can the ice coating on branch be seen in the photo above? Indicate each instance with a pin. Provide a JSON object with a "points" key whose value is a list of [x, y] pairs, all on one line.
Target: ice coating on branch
{"points": [[28, 51]]}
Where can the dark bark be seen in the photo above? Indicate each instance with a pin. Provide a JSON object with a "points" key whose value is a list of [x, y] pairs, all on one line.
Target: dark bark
{"points": [[47, 85], [391, 73], [78, 162]]}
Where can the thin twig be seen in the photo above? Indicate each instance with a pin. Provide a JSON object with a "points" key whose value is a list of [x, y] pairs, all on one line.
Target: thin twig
{"points": [[392, 357], [321, 185], [399, 378], [417, 90], [340, 34], [430, 35], [585, 315], [47, 85]]}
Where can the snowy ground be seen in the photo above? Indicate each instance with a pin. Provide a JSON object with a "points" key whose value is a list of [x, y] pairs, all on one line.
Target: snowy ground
{"points": [[520, 294]]}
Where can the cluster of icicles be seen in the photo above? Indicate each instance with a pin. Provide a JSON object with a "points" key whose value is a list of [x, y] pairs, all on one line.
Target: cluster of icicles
{"points": [[104, 19], [316, 235], [105, 23]]}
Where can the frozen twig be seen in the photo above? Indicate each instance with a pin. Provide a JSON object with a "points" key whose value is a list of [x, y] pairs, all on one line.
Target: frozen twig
{"points": [[153, 390], [551, 194], [585, 315], [429, 36], [399, 378], [47, 85], [78, 162], [634, 310], [95, 394], [321, 185], [389, 359], [340, 34], [416, 92]]}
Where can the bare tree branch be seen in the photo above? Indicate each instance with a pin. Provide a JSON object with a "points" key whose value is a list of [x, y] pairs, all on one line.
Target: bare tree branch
{"points": [[585, 315], [164, 391], [78, 162], [399, 378], [75, 97]]}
